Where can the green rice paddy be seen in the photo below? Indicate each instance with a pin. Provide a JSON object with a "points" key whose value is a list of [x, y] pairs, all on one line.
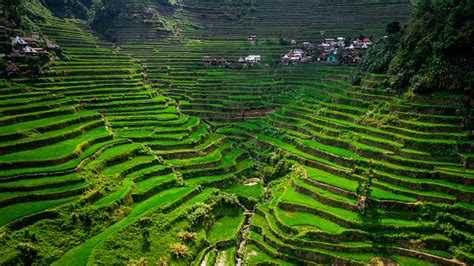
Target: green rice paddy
{"points": [[134, 151]]}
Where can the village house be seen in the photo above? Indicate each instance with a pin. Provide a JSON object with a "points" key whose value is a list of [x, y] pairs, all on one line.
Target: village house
{"points": [[28, 50], [299, 52], [221, 61], [331, 41], [324, 47], [347, 59], [308, 45], [331, 44], [331, 59], [341, 42], [252, 39], [285, 59], [206, 61], [32, 40], [253, 59], [363, 43], [295, 56], [322, 57], [18, 42], [42, 50], [53, 47], [11, 68], [149, 13], [21, 42], [351, 59]]}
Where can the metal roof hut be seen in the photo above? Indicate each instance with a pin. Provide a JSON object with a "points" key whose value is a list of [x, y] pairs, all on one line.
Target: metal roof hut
{"points": [[206, 60], [28, 50], [149, 13], [32, 40], [17, 41], [253, 59], [252, 39], [11, 67]]}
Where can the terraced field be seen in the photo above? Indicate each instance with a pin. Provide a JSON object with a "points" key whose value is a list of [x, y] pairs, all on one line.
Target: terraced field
{"points": [[413, 166], [134, 151]]}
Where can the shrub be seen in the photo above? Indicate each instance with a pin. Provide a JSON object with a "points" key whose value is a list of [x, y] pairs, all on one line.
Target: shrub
{"points": [[179, 250], [187, 236], [140, 262], [28, 252], [382, 53], [199, 214], [356, 78]]}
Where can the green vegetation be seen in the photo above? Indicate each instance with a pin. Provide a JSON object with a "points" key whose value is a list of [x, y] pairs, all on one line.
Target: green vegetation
{"points": [[433, 53], [133, 152]]}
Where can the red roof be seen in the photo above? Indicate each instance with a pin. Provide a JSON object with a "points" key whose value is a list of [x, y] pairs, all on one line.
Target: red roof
{"points": [[367, 40]]}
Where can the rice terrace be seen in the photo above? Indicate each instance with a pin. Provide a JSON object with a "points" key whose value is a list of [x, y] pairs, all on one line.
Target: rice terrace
{"points": [[236, 132]]}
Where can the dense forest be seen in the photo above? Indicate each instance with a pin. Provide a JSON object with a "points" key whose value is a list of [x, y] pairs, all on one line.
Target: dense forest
{"points": [[434, 52]]}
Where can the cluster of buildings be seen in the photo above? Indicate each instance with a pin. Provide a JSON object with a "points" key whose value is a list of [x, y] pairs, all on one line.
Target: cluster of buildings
{"points": [[331, 50], [334, 44], [147, 14], [208, 61], [296, 56], [221, 61], [27, 45], [18, 48], [250, 59], [342, 50]]}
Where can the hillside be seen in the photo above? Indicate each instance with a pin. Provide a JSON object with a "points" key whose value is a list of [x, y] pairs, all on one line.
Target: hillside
{"points": [[123, 148]]}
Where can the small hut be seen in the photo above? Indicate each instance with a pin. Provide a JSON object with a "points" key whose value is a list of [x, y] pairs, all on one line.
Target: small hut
{"points": [[18, 42], [11, 68], [252, 39], [206, 61], [253, 59]]}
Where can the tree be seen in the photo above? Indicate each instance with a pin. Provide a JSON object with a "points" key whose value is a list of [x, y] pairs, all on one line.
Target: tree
{"points": [[107, 11], [68, 8], [436, 49], [393, 27], [384, 50], [434, 52], [365, 187], [12, 8]]}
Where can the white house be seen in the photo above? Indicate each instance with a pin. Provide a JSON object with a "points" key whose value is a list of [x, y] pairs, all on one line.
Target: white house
{"points": [[341, 41], [18, 41], [325, 47], [298, 52], [253, 59], [28, 50]]}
